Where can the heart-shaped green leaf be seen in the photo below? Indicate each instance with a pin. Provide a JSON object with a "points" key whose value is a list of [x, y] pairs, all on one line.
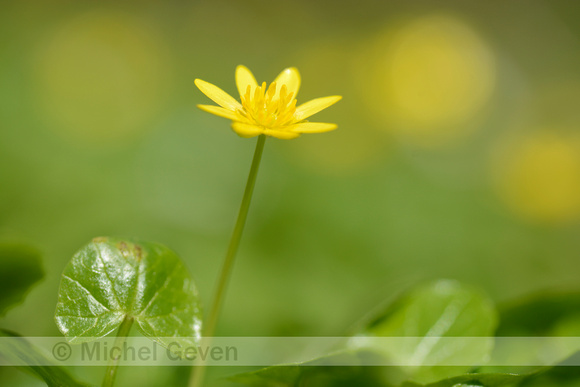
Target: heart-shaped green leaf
{"points": [[20, 268], [432, 318], [111, 279]]}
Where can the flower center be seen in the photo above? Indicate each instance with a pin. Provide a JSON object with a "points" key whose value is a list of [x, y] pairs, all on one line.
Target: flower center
{"points": [[269, 107]]}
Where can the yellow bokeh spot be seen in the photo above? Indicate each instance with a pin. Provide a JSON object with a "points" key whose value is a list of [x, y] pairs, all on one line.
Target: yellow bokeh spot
{"points": [[538, 177], [429, 79], [102, 76]]}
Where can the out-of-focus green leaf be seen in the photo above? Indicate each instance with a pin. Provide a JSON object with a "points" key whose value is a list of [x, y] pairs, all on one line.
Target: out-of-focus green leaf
{"points": [[110, 279], [441, 309], [560, 376], [20, 269], [475, 380], [21, 350], [541, 315], [318, 372]]}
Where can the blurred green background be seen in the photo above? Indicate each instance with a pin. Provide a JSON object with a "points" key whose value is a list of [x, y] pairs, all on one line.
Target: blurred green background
{"points": [[457, 153]]}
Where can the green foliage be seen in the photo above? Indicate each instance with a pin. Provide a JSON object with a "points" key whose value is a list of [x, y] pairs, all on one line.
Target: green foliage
{"points": [[20, 269], [20, 350], [473, 380], [542, 315], [441, 309], [319, 372], [438, 309], [555, 376], [110, 279]]}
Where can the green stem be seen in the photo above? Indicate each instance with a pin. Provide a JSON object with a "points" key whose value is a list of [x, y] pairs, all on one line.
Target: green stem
{"points": [[111, 372], [209, 329]]}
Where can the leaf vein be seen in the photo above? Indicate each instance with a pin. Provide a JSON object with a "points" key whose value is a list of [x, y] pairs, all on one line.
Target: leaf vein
{"points": [[167, 281], [86, 290]]}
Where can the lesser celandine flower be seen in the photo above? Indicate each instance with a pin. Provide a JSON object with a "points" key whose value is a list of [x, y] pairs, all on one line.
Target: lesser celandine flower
{"points": [[263, 111], [269, 110]]}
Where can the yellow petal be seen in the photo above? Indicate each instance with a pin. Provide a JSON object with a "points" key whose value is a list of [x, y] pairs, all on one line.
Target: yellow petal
{"points": [[245, 78], [313, 127], [246, 130], [218, 95], [220, 111], [281, 134], [314, 106], [291, 78]]}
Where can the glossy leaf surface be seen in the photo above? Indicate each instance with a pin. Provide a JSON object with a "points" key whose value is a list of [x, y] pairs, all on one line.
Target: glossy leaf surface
{"points": [[110, 279]]}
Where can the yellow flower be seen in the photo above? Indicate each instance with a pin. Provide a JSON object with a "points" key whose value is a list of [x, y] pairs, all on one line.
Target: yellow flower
{"points": [[267, 110]]}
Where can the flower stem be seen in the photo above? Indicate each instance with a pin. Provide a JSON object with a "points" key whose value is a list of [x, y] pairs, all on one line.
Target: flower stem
{"points": [[111, 372], [209, 329]]}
